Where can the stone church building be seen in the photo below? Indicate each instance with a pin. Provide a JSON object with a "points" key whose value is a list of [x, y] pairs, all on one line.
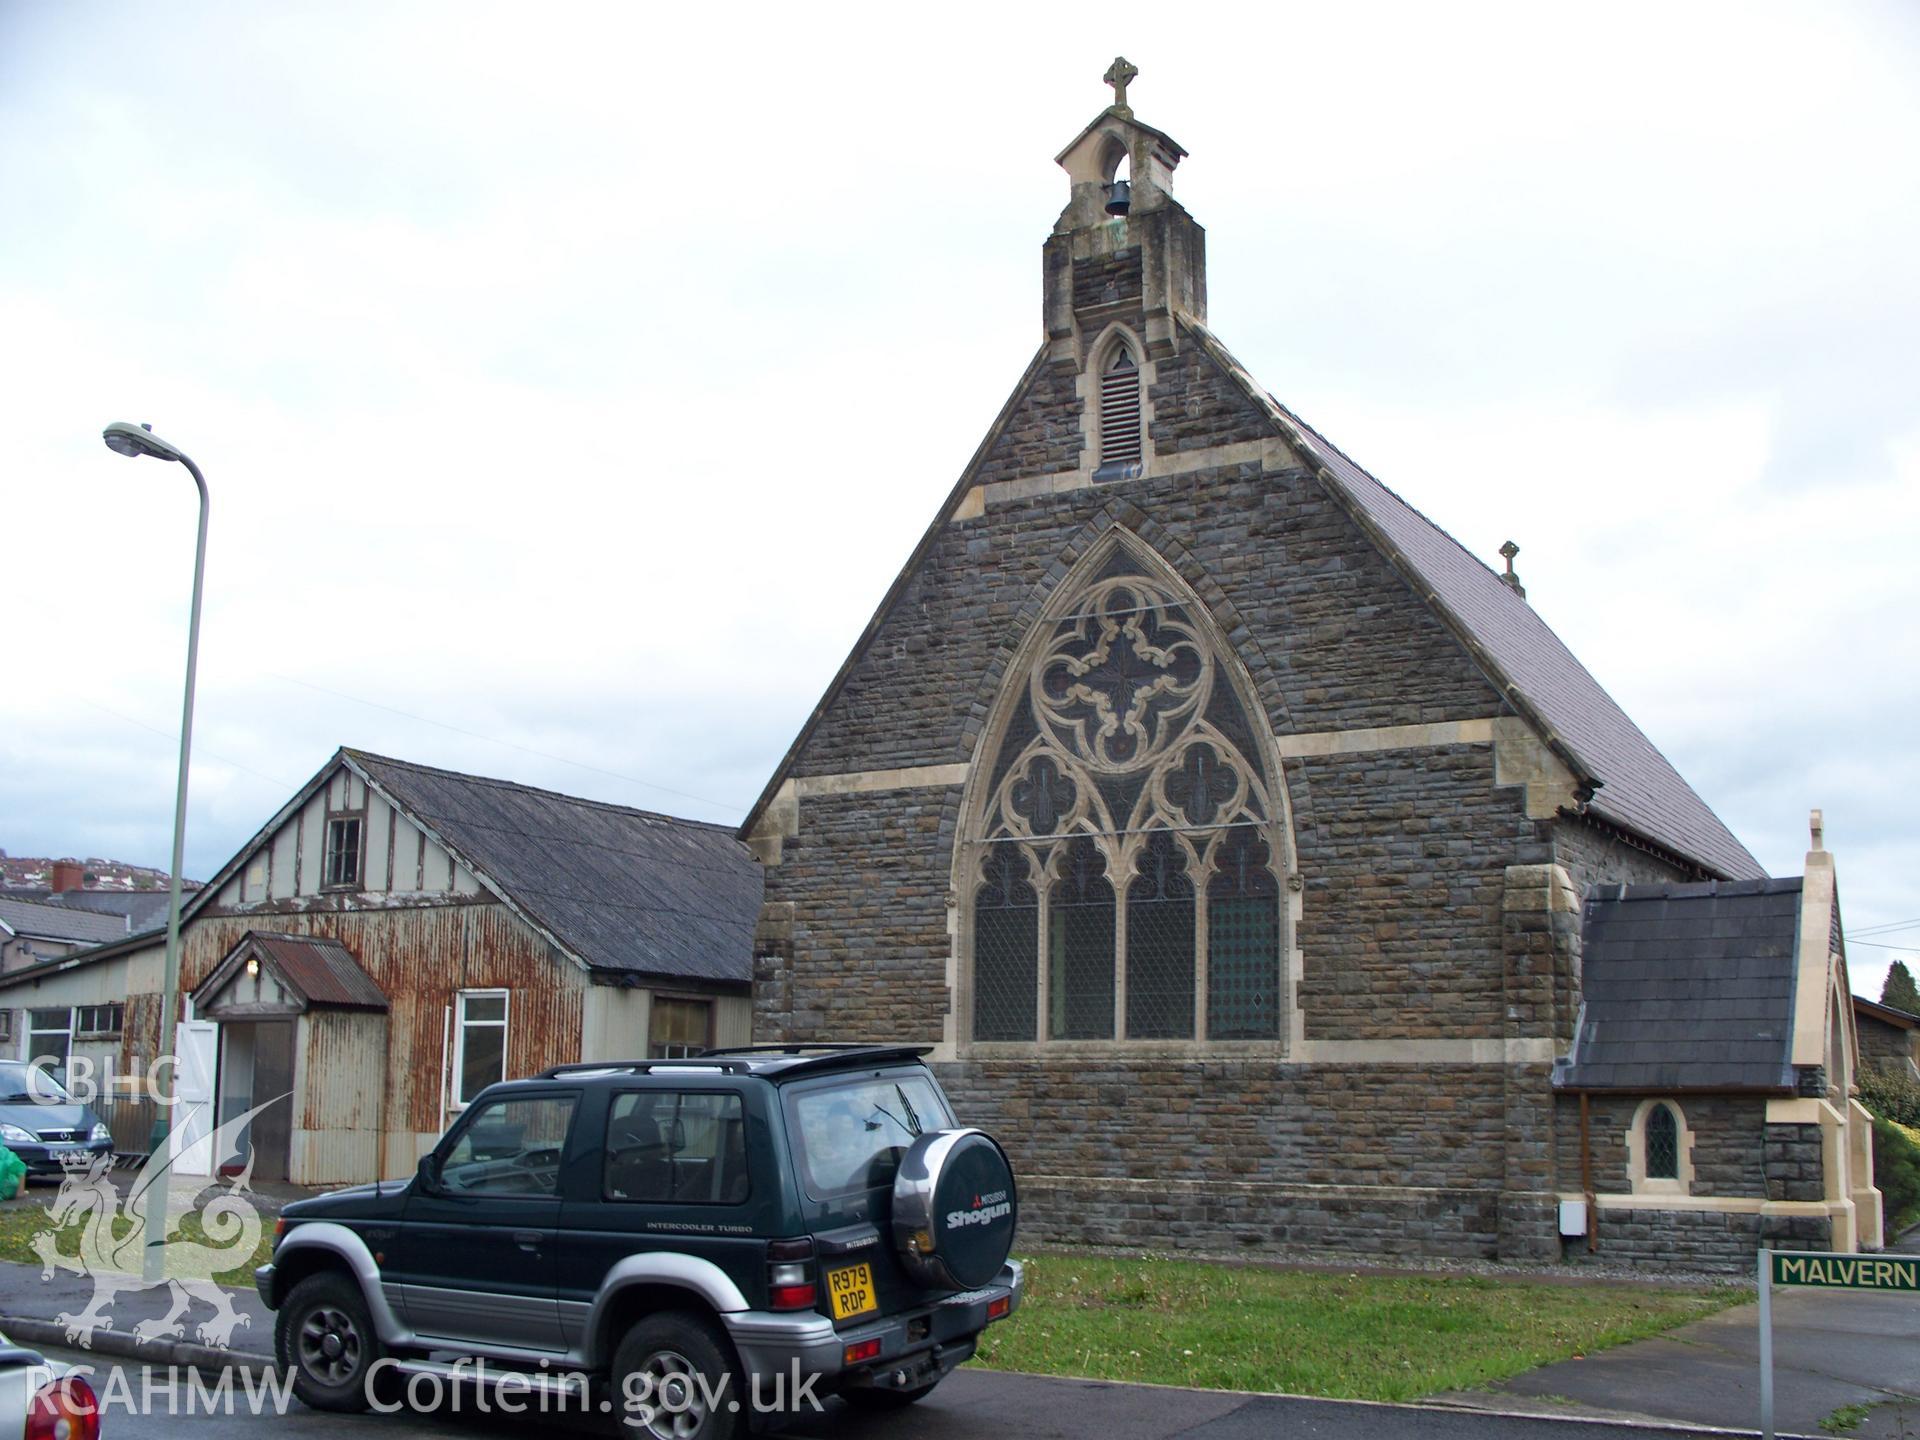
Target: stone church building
{"points": [[1235, 837]]}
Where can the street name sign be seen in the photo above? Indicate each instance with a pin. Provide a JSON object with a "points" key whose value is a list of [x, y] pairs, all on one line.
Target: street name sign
{"points": [[1820, 1270], [1847, 1272]]}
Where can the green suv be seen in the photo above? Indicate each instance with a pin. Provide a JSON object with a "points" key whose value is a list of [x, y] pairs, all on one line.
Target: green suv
{"points": [[686, 1243]]}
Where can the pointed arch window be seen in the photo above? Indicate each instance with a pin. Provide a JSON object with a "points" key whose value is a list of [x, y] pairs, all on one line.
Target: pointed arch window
{"points": [[1663, 1143], [1126, 831], [1660, 1149], [1120, 442]]}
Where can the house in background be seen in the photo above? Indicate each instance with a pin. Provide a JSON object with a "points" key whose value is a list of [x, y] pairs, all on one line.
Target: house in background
{"points": [[1889, 1038], [398, 937], [67, 889], [32, 931]]}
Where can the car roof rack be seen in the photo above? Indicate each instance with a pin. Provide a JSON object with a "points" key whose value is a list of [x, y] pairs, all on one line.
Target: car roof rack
{"points": [[642, 1067], [768, 1061], [825, 1057]]}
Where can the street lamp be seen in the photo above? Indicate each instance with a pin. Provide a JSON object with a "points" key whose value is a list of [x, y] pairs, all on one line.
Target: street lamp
{"points": [[137, 440]]}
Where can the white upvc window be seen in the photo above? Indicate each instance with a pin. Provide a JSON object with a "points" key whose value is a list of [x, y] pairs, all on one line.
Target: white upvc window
{"points": [[50, 1034], [479, 1043]]}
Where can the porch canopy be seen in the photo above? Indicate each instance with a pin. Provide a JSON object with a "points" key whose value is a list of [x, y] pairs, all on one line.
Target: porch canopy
{"points": [[270, 975]]}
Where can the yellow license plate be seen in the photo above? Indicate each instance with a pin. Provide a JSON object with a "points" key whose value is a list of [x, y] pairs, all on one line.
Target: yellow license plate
{"points": [[852, 1291]]}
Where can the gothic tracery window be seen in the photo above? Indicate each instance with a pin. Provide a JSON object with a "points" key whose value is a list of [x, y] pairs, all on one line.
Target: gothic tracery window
{"points": [[1126, 845]]}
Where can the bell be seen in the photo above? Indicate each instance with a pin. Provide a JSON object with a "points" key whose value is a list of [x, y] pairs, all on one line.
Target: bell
{"points": [[1119, 198]]}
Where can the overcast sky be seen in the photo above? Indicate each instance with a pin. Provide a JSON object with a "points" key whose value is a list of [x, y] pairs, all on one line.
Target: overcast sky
{"points": [[572, 380]]}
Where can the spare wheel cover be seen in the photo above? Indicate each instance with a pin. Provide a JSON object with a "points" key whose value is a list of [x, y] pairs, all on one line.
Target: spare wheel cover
{"points": [[963, 1196]]}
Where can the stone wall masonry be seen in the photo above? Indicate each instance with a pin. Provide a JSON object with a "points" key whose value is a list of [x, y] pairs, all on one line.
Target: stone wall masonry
{"points": [[1385, 1159], [1194, 405], [1332, 636], [1377, 1125], [1795, 1167], [1705, 1240], [1042, 436], [1110, 279], [1248, 1217], [867, 946], [1403, 854], [1540, 939], [1593, 857], [1884, 1046], [1730, 1143]]}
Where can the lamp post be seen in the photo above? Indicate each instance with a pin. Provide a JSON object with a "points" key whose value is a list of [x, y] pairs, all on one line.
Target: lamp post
{"points": [[136, 440]]}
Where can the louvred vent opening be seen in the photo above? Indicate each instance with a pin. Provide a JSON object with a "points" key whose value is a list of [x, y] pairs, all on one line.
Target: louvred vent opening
{"points": [[1120, 410]]}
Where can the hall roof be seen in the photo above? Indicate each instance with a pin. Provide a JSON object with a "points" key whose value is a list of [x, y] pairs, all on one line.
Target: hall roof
{"points": [[621, 889]]}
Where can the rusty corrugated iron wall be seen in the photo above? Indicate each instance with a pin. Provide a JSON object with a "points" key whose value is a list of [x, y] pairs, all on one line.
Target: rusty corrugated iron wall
{"points": [[420, 957]]}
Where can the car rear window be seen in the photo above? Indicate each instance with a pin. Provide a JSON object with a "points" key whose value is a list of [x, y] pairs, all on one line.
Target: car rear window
{"points": [[849, 1135]]}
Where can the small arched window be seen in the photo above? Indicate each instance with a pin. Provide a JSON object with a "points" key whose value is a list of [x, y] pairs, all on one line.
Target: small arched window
{"points": [[1663, 1143], [1119, 412]]}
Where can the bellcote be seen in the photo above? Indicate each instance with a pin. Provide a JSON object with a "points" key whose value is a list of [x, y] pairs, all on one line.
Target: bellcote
{"points": [[1131, 256]]}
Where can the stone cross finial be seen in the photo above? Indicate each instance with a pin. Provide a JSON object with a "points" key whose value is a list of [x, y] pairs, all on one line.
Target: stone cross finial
{"points": [[1511, 580], [1120, 74], [1817, 823]]}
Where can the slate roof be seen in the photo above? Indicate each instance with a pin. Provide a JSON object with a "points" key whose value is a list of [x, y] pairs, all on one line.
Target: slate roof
{"points": [[57, 922], [143, 909], [1687, 987], [320, 969], [624, 890], [1640, 789]]}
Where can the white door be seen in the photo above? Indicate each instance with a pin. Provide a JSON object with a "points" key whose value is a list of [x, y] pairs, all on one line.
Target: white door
{"points": [[191, 1139]]}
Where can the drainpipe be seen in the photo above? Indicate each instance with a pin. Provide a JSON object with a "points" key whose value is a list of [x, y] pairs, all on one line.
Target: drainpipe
{"points": [[1586, 1176]]}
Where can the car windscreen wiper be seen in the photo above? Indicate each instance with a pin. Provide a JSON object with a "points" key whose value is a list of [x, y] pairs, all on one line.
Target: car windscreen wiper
{"points": [[913, 1121]]}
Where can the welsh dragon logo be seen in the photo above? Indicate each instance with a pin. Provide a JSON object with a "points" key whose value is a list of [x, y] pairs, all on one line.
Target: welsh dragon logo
{"points": [[113, 1239]]}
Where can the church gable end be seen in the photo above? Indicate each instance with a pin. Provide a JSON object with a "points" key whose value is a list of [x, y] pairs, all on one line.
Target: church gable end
{"points": [[1163, 749]]}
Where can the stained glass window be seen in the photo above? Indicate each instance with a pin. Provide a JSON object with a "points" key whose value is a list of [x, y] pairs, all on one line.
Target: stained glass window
{"points": [[1125, 726], [1663, 1143]]}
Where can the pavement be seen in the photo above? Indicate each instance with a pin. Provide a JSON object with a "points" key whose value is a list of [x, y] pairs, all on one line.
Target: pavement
{"points": [[1832, 1349]]}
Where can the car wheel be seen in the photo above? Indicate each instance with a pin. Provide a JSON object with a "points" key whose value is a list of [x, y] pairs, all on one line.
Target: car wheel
{"points": [[674, 1378], [871, 1399], [324, 1336]]}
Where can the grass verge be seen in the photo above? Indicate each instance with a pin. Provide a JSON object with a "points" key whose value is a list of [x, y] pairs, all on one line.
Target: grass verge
{"points": [[1357, 1336], [22, 1220]]}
